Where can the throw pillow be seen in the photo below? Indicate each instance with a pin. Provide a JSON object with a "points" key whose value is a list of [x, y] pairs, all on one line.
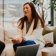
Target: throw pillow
{"points": [[48, 37], [46, 30]]}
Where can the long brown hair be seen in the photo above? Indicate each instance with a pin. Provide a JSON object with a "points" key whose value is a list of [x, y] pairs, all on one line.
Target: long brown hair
{"points": [[35, 16]]}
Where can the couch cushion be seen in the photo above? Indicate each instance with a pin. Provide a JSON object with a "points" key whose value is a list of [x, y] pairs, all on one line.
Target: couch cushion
{"points": [[9, 50], [48, 37], [2, 34], [10, 33], [46, 30]]}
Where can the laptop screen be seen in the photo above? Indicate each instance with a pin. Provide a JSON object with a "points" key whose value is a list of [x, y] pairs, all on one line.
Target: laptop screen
{"points": [[28, 50]]}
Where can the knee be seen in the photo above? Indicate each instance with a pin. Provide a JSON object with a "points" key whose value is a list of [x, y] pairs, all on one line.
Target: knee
{"points": [[2, 45], [15, 47]]}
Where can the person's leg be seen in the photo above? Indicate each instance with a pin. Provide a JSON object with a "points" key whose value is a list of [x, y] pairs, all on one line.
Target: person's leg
{"points": [[2, 46], [23, 44], [16, 45]]}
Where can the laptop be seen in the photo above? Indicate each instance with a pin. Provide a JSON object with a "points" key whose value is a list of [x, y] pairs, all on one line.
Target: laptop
{"points": [[28, 50]]}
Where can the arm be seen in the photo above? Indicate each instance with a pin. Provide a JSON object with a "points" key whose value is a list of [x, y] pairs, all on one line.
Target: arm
{"points": [[18, 37]]}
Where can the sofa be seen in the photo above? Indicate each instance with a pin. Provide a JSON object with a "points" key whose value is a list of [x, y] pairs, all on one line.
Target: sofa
{"points": [[6, 33]]}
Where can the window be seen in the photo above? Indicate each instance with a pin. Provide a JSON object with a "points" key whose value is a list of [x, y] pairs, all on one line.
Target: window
{"points": [[10, 12]]}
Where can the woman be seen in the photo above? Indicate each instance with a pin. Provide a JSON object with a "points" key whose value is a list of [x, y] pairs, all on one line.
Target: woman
{"points": [[2, 46], [28, 28]]}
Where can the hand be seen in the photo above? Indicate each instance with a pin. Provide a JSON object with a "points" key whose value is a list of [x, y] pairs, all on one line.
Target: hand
{"points": [[17, 40], [14, 41], [49, 44]]}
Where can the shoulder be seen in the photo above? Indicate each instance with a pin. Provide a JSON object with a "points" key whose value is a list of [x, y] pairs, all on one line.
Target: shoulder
{"points": [[20, 20]]}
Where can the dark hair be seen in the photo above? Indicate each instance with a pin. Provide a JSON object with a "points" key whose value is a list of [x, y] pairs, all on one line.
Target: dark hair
{"points": [[35, 16]]}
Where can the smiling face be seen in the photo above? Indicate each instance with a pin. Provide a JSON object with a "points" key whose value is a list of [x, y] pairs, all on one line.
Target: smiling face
{"points": [[27, 10]]}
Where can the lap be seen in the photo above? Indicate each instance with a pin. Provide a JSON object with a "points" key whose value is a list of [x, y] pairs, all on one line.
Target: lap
{"points": [[25, 43]]}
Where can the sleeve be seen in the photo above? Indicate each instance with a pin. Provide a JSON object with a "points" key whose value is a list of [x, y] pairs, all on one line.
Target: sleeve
{"points": [[36, 35], [19, 31]]}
